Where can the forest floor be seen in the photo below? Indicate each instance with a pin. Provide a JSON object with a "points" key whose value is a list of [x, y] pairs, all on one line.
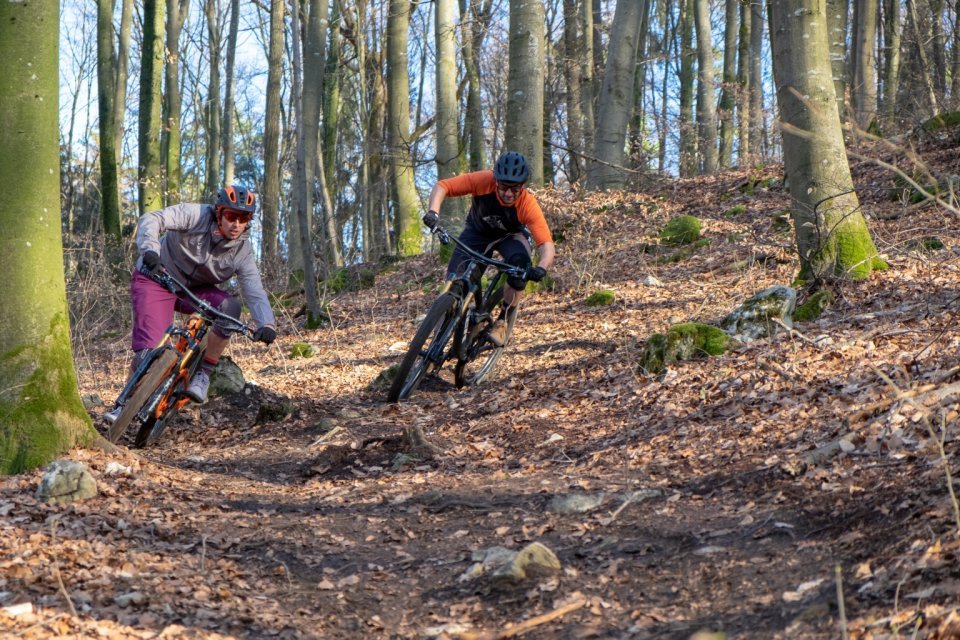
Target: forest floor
{"points": [[711, 499]]}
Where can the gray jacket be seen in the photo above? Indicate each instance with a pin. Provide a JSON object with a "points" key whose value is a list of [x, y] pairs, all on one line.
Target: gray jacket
{"points": [[191, 247]]}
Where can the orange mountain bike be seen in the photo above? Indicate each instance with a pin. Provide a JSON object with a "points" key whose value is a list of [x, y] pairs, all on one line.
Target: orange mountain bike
{"points": [[156, 390]]}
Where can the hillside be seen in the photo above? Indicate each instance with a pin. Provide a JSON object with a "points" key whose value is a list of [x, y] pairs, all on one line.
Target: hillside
{"points": [[710, 499]]}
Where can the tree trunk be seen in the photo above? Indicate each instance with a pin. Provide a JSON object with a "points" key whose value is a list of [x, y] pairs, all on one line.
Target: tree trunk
{"points": [[229, 161], [865, 71], [688, 134], [728, 92], [573, 54], [891, 61], [525, 84], [832, 235], [39, 401], [213, 181], [170, 137], [756, 81], [120, 74], [588, 73], [473, 19], [837, 20], [270, 202], [955, 65], [331, 98], [447, 122], [616, 106], [405, 201], [743, 86], [301, 196], [706, 107], [109, 187], [151, 75]]}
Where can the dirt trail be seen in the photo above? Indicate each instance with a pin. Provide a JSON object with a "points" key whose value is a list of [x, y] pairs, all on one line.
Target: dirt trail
{"points": [[706, 513]]}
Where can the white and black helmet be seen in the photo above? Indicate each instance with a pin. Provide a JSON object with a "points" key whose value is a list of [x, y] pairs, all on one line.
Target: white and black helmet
{"points": [[511, 167]]}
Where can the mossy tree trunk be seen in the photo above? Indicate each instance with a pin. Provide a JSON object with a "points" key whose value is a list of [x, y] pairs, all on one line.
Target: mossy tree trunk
{"points": [[405, 201], [832, 235], [40, 410]]}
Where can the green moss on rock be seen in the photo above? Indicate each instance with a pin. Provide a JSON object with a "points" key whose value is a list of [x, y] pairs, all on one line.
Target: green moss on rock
{"points": [[301, 350], [687, 341], [813, 307], [601, 298], [735, 211], [681, 230]]}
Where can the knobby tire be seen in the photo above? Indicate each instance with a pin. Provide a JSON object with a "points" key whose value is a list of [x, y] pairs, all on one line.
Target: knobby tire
{"points": [[415, 363], [153, 427], [149, 382], [478, 356]]}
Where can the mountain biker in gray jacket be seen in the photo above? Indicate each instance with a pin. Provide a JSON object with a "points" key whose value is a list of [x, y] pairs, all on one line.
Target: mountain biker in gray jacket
{"points": [[203, 246]]}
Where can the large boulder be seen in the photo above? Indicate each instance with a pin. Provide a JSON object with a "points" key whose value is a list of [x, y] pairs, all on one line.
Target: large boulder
{"points": [[758, 317]]}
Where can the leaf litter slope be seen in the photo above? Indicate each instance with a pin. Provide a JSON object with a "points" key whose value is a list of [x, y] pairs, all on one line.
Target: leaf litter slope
{"points": [[314, 525]]}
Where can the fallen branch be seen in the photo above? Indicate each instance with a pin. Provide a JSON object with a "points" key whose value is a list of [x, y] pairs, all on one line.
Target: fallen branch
{"points": [[527, 625]]}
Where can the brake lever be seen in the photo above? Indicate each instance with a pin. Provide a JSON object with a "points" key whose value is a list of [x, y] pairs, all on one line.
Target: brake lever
{"points": [[442, 235]]}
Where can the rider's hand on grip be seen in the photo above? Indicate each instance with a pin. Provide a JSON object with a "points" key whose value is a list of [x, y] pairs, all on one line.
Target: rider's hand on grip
{"points": [[431, 218], [151, 262], [265, 335], [535, 274]]}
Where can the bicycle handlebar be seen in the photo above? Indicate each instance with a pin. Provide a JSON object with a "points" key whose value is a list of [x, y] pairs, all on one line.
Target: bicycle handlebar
{"points": [[165, 279], [444, 236]]}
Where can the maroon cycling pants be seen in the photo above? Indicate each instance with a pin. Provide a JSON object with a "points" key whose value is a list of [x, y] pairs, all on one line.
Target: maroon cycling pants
{"points": [[153, 307]]}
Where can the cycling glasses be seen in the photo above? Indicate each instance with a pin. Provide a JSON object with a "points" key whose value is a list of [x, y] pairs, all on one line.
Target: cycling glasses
{"points": [[243, 217], [510, 187]]}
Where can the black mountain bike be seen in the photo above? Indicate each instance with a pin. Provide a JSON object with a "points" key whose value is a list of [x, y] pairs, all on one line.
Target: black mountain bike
{"points": [[464, 311], [156, 390]]}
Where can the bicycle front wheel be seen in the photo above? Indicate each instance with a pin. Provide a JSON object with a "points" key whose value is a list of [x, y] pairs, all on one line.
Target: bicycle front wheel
{"points": [[151, 379], [426, 351], [479, 355], [154, 426]]}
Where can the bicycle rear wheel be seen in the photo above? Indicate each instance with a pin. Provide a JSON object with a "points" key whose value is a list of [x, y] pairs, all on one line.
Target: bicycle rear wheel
{"points": [[478, 356], [154, 426], [151, 379], [426, 349]]}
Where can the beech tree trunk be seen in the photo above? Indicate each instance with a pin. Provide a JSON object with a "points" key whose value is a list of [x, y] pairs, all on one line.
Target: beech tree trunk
{"points": [[706, 107], [616, 105], [865, 71], [405, 201], [109, 187], [151, 74], [525, 84], [832, 235], [448, 120], [42, 415], [270, 202], [170, 136]]}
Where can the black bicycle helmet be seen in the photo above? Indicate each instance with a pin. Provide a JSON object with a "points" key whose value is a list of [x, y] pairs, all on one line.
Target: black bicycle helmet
{"points": [[511, 167], [237, 198]]}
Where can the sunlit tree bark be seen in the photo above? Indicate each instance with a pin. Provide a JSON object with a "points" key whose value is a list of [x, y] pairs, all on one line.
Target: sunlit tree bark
{"points": [[41, 415], [832, 235], [170, 136], [405, 202], [109, 188], [525, 84], [228, 94], [706, 107], [728, 91], [212, 111], [151, 75], [270, 202]]}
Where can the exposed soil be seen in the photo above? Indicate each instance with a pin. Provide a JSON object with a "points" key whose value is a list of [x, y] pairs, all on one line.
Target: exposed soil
{"points": [[712, 515]]}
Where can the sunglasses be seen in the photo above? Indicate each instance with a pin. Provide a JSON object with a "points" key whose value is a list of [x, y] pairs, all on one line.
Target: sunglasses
{"points": [[243, 217], [514, 188]]}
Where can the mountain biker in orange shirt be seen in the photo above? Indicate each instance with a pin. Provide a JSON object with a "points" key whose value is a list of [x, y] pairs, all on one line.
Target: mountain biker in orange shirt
{"points": [[502, 217]]}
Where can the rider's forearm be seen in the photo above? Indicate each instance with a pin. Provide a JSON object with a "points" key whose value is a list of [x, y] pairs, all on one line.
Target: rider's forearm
{"points": [[437, 196], [548, 252]]}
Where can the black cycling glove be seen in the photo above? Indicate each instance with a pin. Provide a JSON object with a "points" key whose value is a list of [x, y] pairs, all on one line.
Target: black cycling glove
{"points": [[151, 261], [265, 335], [431, 218], [536, 274]]}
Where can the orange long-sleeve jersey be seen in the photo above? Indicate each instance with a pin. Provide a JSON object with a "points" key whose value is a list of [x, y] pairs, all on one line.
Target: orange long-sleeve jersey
{"points": [[488, 215]]}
